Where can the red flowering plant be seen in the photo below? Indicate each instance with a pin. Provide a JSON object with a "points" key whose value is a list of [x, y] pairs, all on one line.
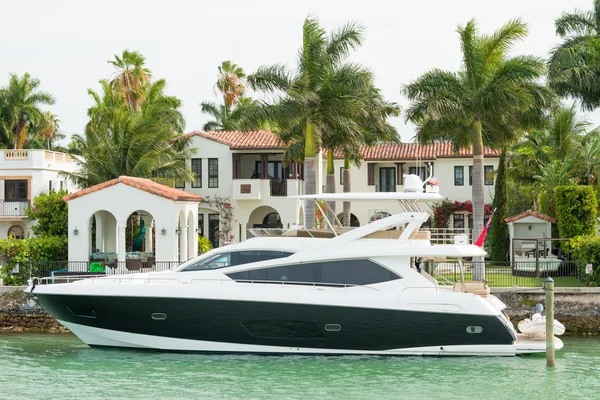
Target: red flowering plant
{"points": [[442, 212], [320, 218]]}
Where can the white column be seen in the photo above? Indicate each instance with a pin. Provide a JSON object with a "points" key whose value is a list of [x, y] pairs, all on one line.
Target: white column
{"points": [[148, 225], [121, 251], [183, 243], [243, 233], [99, 232]]}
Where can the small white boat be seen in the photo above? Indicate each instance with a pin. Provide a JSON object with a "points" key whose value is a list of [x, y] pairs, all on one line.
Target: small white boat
{"points": [[535, 326]]}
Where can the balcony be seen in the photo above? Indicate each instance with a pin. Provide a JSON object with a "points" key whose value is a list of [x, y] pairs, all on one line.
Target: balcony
{"points": [[262, 189], [278, 187], [16, 159], [13, 209]]}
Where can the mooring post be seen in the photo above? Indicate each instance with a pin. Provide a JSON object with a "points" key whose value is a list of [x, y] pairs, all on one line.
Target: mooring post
{"points": [[549, 288]]}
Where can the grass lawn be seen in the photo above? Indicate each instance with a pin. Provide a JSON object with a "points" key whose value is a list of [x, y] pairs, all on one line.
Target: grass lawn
{"points": [[505, 279]]}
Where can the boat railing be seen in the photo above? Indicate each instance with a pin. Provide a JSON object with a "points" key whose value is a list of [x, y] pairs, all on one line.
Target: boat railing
{"points": [[175, 281]]}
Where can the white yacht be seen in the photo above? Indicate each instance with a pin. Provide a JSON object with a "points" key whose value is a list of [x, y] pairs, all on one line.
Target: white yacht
{"points": [[358, 292]]}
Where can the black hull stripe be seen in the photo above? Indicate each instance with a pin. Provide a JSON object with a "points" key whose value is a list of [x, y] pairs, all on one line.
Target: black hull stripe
{"points": [[276, 324]]}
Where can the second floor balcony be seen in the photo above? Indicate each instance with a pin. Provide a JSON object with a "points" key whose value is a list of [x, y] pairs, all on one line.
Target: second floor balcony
{"points": [[260, 189], [13, 209]]}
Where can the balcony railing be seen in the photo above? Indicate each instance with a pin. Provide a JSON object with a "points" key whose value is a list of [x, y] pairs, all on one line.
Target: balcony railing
{"points": [[278, 188], [385, 188], [13, 208]]}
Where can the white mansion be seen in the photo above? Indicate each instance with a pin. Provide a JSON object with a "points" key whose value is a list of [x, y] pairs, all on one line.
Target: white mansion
{"points": [[24, 174], [247, 167]]}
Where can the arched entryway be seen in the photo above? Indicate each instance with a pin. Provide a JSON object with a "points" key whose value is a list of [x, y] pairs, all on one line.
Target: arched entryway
{"points": [[264, 217], [16, 232], [354, 222]]}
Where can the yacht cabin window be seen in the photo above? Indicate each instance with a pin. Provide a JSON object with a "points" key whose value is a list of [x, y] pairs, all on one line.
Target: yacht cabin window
{"points": [[342, 272], [222, 260]]}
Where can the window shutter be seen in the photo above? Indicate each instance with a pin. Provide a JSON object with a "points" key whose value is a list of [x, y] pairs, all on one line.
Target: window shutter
{"points": [[371, 174]]}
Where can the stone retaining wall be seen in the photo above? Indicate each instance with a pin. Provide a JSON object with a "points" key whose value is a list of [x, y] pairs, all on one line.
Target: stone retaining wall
{"points": [[578, 312]]}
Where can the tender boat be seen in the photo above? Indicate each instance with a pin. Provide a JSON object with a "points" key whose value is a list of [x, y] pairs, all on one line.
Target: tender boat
{"points": [[362, 291], [535, 326]]}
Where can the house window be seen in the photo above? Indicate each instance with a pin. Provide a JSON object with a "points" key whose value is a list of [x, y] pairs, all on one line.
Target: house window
{"points": [[421, 171], [487, 173], [49, 186], [213, 229], [470, 175], [341, 175], [459, 176], [275, 170], [180, 184], [62, 185], [213, 172], [197, 171], [459, 221], [15, 190], [201, 224]]}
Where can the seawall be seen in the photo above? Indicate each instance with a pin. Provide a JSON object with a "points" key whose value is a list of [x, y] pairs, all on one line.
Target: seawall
{"points": [[578, 309]]}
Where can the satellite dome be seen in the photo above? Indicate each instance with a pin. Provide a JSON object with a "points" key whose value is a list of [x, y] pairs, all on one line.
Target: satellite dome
{"points": [[413, 184]]}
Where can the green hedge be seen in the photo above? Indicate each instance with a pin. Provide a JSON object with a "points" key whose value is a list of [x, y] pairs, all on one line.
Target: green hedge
{"points": [[586, 250], [576, 210], [21, 251]]}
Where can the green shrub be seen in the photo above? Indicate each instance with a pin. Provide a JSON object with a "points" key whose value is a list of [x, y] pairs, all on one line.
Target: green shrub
{"points": [[50, 214], [20, 252], [576, 210], [204, 245], [585, 250]]}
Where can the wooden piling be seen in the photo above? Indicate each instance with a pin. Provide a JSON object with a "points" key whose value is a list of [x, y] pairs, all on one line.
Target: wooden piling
{"points": [[550, 356]]}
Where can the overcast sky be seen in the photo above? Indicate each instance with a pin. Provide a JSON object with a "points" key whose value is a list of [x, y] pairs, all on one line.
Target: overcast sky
{"points": [[67, 43]]}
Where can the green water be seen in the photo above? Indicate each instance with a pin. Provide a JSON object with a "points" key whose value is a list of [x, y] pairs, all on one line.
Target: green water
{"points": [[62, 367]]}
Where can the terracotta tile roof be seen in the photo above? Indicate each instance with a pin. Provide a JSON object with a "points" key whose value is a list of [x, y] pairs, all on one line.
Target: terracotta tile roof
{"points": [[140, 183], [256, 140], [412, 151], [238, 140], [530, 213]]}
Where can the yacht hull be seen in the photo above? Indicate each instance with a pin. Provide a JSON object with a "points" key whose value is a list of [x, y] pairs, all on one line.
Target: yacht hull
{"points": [[210, 325]]}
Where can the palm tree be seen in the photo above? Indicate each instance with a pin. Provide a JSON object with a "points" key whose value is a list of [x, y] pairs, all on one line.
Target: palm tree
{"points": [[566, 131], [144, 141], [49, 129], [575, 63], [131, 77], [320, 93], [227, 118], [19, 108], [230, 83], [488, 90], [587, 162]]}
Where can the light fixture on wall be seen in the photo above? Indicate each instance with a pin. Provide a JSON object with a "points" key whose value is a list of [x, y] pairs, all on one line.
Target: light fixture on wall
{"points": [[178, 230], [75, 231], [199, 231], [529, 227], [163, 231]]}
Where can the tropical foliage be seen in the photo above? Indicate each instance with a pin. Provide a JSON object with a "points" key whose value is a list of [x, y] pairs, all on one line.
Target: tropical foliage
{"points": [[132, 129], [17, 256], [576, 210], [321, 97], [575, 62], [586, 250], [489, 92], [50, 214], [21, 117]]}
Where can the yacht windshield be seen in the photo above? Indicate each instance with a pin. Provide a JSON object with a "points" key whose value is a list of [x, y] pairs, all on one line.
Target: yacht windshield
{"points": [[229, 259]]}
